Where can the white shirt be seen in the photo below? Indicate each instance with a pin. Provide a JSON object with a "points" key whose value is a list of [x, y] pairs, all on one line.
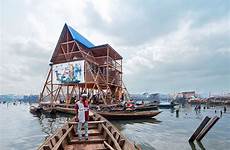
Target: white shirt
{"points": [[81, 112]]}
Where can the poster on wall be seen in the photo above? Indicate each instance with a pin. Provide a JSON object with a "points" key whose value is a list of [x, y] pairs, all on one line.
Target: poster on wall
{"points": [[70, 72]]}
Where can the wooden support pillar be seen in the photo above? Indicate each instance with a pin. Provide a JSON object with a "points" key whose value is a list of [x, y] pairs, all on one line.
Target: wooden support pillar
{"points": [[121, 74], [43, 89], [52, 97], [67, 100], [107, 76], [78, 91]]}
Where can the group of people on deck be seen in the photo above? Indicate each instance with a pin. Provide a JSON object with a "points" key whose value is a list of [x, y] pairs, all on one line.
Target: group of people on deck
{"points": [[82, 115]]}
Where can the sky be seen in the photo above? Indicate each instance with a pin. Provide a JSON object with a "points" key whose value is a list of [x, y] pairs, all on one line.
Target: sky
{"points": [[167, 46]]}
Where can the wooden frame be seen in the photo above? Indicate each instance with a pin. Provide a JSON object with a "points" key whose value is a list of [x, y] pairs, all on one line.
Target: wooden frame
{"points": [[103, 72]]}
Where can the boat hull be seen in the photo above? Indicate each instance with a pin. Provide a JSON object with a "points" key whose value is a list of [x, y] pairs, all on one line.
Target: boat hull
{"points": [[65, 110], [101, 135], [146, 108], [121, 115]]}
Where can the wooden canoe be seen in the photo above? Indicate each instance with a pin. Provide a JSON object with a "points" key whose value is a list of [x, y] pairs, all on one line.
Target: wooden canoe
{"points": [[128, 114], [65, 110], [102, 136], [146, 107], [115, 114]]}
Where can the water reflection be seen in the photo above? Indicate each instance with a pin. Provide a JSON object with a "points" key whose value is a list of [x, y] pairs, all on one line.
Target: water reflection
{"points": [[51, 122], [193, 146], [120, 124]]}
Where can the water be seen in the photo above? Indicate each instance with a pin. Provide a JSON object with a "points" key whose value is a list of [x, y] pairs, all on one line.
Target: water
{"points": [[20, 130]]}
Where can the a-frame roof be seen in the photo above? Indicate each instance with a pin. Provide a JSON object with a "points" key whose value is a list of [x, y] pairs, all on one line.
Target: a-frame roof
{"points": [[74, 35], [79, 38]]}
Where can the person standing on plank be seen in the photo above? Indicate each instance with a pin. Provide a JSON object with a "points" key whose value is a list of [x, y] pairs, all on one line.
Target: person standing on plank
{"points": [[82, 110]]}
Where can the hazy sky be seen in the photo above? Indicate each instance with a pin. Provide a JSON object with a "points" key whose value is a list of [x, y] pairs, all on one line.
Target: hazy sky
{"points": [[168, 46]]}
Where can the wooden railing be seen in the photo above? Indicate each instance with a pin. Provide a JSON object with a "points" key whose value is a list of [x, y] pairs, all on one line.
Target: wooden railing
{"points": [[111, 134], [58, 140]]}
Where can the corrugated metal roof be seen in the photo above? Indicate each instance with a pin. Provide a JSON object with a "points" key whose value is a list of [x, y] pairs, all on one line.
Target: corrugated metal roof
{"points": [[78, 37]]}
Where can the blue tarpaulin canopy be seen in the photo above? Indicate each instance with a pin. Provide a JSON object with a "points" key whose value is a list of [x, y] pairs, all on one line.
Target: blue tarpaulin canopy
{"points": [[79, 38]]}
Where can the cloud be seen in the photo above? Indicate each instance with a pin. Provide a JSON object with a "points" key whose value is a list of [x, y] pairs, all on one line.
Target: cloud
{"points": [[196, 58], [135, 22]]}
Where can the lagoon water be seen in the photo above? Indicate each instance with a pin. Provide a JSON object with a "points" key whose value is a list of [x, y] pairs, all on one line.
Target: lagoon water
{"points": [[20, 130]]}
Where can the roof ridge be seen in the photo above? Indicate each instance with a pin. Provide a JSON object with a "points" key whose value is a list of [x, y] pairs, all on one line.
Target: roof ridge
{"points": [[80, 38]]}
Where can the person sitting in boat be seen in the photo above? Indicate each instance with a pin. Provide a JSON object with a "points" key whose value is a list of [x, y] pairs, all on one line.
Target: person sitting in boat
{"points": [[82, 110]]}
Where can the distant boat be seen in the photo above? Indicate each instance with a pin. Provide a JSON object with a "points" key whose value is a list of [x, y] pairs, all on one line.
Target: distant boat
{"points": [[34, 109], [166, 105]]}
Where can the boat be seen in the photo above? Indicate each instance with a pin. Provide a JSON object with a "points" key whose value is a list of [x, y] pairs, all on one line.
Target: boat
{"points": [[121, 115], [102, 136], [166, 105], [34, 109], [42, 109], [65, 110], [146, 107], [116, 112]]}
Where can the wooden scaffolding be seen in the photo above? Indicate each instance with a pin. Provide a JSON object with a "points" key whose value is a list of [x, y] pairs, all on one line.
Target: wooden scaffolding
{"points": [[102, 70]]}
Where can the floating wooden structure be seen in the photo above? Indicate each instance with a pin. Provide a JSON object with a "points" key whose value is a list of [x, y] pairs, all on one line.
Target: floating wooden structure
{"points": [[102, 136], [78, 66]]}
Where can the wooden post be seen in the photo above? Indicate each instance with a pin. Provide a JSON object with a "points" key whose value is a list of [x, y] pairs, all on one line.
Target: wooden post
{"points": [[121, 74], [199, 129], [78, 91], [51, 85], [207, 128], [107, 75], [46, 82]]}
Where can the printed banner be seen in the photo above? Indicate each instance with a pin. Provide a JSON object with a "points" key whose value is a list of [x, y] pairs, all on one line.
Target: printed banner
{"points": [[70, 72]]}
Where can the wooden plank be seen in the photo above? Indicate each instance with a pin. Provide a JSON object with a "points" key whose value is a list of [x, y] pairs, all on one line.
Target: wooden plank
{"points": [[111, 136], [207, 128], [89, 122], [199, 129], [89, 141], [122, 142], [92, 132], [57, 145], [97, 146], [108, 146], [46, 147]]}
